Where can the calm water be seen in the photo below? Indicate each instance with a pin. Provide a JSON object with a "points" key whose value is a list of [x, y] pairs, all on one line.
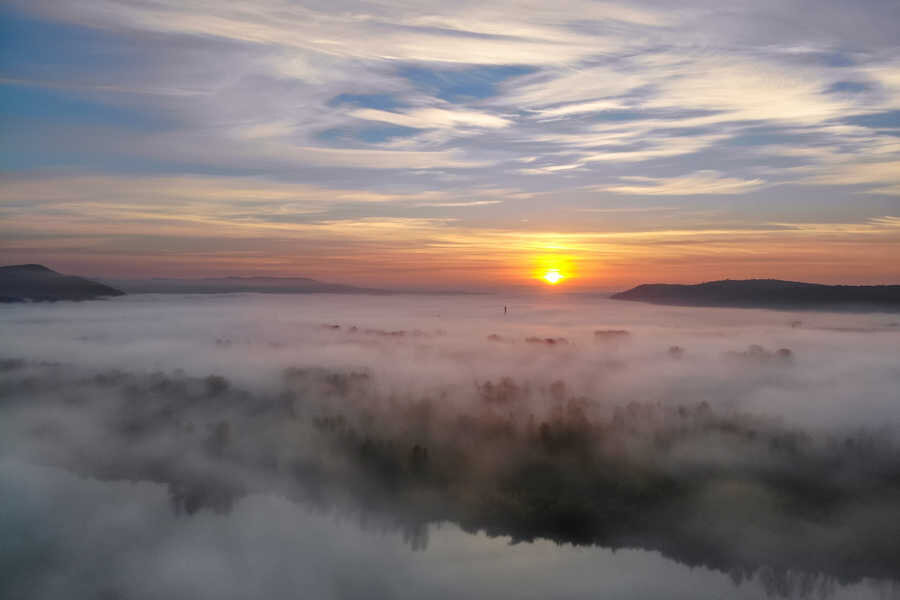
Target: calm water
{"points": [[66, 536]]}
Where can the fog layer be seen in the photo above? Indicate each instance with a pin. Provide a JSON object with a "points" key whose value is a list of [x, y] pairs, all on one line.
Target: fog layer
{"points": [[760, 444]]}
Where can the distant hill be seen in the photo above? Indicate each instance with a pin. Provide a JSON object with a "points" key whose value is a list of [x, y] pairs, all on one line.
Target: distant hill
{"points": [[37, 283], [226, 285], [768, 293]]}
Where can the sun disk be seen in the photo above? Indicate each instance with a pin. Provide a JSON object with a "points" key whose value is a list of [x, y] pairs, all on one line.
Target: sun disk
{"points": [[553, 276]]}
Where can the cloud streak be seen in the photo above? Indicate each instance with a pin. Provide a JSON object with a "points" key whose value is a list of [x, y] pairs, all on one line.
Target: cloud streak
{"points": [[699, 183]]}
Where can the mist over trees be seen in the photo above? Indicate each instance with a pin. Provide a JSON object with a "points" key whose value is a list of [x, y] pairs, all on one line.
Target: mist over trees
{"points": [[731, 456]]}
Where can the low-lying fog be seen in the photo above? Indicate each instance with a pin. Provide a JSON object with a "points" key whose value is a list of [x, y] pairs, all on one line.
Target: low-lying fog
{"points": [[354, 446]]}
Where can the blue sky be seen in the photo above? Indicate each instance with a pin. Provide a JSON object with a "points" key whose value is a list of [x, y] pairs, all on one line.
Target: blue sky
{"points": [[446, 145]]}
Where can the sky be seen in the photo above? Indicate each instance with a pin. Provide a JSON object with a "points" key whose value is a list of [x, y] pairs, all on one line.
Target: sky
{"points": [[453, 145]]}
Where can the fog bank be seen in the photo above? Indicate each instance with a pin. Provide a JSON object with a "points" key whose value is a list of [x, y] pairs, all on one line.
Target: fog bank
{"points": [[758, 444]]}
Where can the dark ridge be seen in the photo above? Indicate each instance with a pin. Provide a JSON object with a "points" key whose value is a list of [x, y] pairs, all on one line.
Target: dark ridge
{"points": [[30, 267], [37, 283], [768, 293]]}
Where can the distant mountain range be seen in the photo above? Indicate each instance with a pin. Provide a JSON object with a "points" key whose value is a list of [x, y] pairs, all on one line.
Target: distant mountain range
{"points": [[226, 285], [37, 283], [768, 293]]}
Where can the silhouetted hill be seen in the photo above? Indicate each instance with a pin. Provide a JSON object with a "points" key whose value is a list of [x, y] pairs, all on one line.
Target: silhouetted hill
{"points": [[225, 285], [768, 293], [37, 283]]}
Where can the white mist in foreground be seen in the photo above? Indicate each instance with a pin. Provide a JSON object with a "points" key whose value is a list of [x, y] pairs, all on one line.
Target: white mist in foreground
{"points": [[845, 368], [283, 430]]}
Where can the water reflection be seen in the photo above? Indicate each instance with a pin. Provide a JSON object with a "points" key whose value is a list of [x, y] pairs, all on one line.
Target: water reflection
{"points": [[705, 487], [67, 537]]}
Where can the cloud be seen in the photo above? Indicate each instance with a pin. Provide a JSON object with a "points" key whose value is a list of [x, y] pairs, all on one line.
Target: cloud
{"points": [[749, 89], [886, 225], [656, 147], [164, 193], [570, 91], [404, 100], [468, 35], [459, 204], [427, 118], [469, 237], [547, 169], [880, 177], [701, 182], [576, 108]]}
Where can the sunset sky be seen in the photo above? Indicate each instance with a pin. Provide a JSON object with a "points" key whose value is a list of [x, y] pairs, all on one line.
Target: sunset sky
{"points": [[449, 145]]}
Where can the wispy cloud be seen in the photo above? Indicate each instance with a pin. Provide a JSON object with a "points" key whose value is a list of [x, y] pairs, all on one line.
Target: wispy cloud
{"points": [[229, 119], [879, 177], [458, 204], [699, 183], [426, 118]]}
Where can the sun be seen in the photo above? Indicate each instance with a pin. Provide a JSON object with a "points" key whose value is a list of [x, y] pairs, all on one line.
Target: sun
{"points": [[553, 276], [553, 269]]}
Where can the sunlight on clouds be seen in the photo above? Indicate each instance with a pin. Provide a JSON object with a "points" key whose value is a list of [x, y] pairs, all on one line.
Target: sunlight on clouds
{"points": [[659, 147], [551, 169], [396, 136], [444, 252], [874, 226], [458, 204], [882, 177], [580, 108], [280, 128], [568, 88], [426, 118], [176, 191], [887, 74], [749, 90], [701, 182]]}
